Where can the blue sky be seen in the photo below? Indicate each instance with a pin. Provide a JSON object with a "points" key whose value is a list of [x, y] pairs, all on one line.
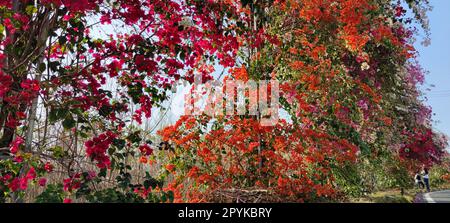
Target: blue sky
{"points": [[436, 59]]}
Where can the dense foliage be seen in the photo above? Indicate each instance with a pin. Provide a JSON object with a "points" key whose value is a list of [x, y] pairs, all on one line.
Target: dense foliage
{"points": [[78, 79]]}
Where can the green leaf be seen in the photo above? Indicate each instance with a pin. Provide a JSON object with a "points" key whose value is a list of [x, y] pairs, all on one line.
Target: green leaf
{"points": [[62, 40], [102, 172], [54, 65], [42, 67], [57, 114], [151, 182], [111, 151], [134, 137], [119, 143], [170, 196], [69, 122], [52, 194], [58, 152], [163, 198], [53, 116], [105, 110], [30, 9]]}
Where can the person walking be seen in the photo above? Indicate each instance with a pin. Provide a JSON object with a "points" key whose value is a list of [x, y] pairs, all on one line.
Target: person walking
{"points": [[418, 180], [426, 179]]}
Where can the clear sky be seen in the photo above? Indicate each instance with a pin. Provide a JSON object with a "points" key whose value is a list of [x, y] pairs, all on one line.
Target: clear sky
{"points": [[436, 59]]}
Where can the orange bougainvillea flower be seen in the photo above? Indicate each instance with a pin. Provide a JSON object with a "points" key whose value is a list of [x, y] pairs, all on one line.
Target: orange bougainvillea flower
{"points": [[297, 65], [387, 121], [193, 171], [170, 167], [252, 146], [239, 73], [143, 159]]}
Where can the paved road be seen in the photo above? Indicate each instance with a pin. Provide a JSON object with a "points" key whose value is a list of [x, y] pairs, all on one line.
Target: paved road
{"points": [[437, 197]]}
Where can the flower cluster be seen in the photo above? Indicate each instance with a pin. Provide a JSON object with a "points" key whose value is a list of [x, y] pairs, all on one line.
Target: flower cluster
{"points": [[288, 160], [19, 183], [97, 147]]}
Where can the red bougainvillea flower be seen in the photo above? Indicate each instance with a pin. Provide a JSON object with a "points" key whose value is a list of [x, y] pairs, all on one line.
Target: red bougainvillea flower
{"points": [[97, 147], [18, 159], [48, 167], [16, 144], [146, 150], [72, 183], [42, 181], [14, 184], [31, 173]]}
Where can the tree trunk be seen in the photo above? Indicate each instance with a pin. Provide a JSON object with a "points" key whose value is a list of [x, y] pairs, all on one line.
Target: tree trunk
{"points": [[7, 133]]}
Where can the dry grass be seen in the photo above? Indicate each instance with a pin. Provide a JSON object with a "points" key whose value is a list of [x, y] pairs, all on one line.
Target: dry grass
{"points": [[395, 195], [388, 196]]}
